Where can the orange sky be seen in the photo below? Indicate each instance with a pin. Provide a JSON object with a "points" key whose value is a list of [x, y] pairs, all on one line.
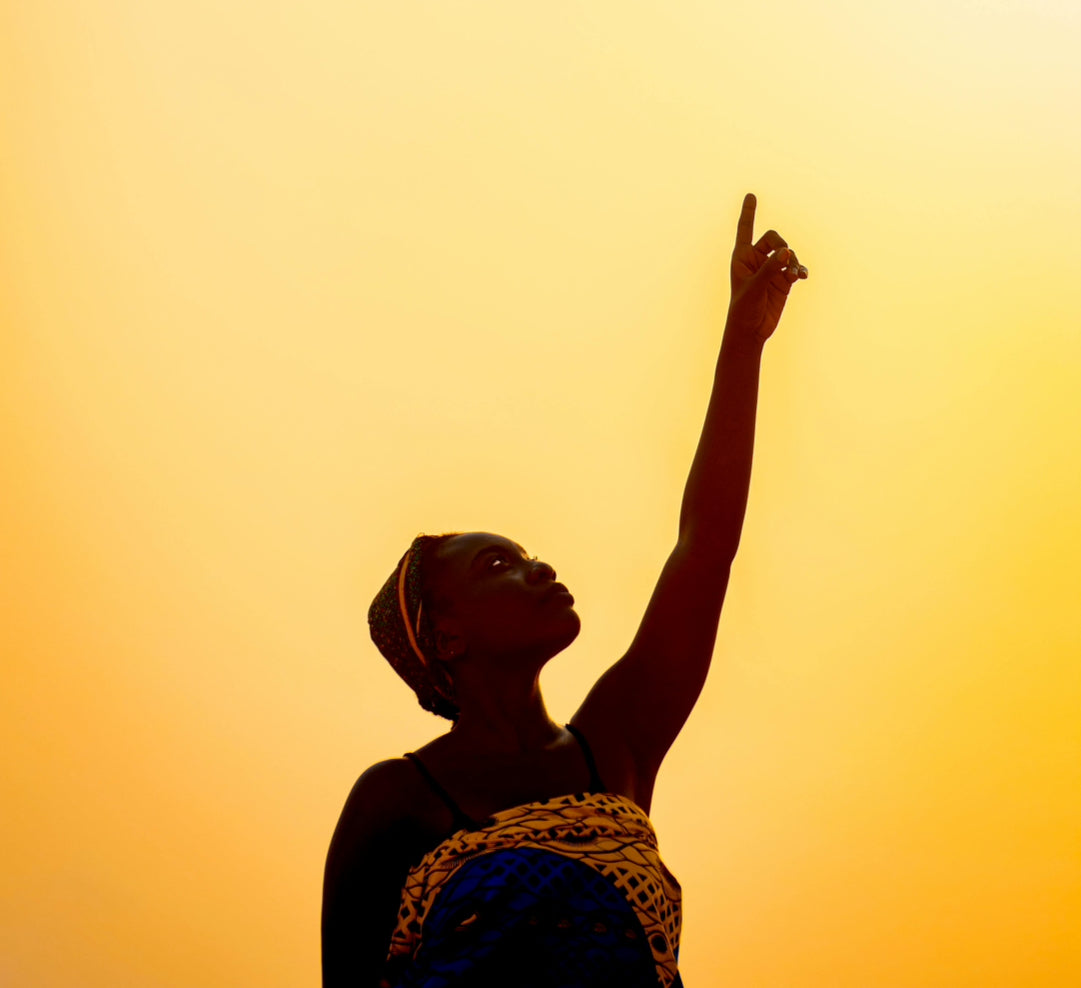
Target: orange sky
{"points": [[285, 285]]}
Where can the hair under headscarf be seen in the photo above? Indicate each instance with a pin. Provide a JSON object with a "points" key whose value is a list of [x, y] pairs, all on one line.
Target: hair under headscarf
{"points": [[402, 630]]}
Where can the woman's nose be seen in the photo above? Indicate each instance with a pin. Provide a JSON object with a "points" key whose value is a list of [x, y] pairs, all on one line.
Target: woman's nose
{"points": [[542, 572]]}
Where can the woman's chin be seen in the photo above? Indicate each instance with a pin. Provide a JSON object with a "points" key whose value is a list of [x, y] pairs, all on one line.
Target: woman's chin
{"points": [[569, 632]]}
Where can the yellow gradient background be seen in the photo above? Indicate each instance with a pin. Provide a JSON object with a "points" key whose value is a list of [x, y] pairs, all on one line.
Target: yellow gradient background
{"points": [[284, 284]]}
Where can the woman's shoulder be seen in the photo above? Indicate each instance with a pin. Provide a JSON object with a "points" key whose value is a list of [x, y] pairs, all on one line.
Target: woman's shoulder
{"points": [[387, 796], [387, 818]]}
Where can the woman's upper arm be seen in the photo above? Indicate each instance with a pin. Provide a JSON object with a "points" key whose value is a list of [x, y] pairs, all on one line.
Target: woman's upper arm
{"points": [[643, 700], [371, 851]]}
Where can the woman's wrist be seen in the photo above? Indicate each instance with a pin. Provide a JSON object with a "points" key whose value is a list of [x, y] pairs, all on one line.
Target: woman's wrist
{"points": [[741, 341]]}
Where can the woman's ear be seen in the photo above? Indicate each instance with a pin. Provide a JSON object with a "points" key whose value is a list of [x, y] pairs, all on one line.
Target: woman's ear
{"points": [[449, 646], [449, 642]]}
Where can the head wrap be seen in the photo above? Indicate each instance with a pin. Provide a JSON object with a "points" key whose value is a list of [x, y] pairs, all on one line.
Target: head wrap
{"points": [[401, 631]]}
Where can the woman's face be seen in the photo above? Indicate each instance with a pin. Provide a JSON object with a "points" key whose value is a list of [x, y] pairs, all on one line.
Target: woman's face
{"points": [[500, 601]]}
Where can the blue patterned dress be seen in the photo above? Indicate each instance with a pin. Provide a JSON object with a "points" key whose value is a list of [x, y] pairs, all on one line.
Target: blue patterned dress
{"points": [[567, 892]]}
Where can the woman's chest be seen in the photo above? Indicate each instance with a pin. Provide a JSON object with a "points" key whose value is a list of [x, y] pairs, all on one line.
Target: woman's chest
{"points": [[484, 784], [586, 860]]}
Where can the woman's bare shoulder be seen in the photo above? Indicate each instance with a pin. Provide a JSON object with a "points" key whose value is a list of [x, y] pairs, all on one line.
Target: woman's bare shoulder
{"points": [[386, 824], [386, 796], [614, 760]]}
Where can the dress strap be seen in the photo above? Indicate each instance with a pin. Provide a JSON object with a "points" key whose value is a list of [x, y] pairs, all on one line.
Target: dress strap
{"points": [[596, 784], [461, 821]]}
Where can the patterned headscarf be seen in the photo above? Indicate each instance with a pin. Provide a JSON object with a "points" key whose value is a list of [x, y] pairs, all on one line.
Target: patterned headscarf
{"points": [[401, 630]]}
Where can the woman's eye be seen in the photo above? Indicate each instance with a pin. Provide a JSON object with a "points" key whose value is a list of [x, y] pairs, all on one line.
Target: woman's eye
{"points": [[498, 559]]}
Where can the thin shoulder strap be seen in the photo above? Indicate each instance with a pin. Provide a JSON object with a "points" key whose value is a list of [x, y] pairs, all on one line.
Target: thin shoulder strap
{"points": [[461, 821], [596, 784]]}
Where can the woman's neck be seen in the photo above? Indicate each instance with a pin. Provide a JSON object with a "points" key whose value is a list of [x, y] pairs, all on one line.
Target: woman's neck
{"points": [[504, 716]]}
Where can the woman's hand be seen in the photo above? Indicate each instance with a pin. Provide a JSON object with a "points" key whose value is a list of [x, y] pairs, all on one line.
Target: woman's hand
{"points": [[762, 274]]}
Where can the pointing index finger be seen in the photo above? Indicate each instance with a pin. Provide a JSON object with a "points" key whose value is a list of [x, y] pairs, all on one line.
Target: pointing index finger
{"points": [[745, 228]]}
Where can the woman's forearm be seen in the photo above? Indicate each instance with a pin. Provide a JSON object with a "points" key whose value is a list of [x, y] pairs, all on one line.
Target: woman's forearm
{"points": [[715, 497]]}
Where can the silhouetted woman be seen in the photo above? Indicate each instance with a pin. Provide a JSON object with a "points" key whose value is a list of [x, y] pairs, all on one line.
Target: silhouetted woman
{"points": [[513, 851]]}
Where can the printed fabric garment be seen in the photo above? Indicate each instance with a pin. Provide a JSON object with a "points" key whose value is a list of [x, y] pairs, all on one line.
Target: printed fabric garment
{"points": [[567, 892]]}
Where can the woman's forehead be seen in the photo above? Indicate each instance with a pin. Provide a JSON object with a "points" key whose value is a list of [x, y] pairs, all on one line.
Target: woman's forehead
{"points": [[463, 549]]}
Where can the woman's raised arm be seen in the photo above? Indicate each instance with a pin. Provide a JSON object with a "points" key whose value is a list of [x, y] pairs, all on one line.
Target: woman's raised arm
{"points": [[642, 701]]}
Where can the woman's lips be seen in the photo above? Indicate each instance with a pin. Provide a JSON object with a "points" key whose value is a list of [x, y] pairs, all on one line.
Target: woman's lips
{"points": [[560, 591]]}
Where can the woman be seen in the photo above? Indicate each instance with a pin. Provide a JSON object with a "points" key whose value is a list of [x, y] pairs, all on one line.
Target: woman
{"points": [[511, 850]]}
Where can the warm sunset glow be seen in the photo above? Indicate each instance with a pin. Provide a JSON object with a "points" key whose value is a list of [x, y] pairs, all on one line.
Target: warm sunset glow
{"points": [[286, 284]]}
